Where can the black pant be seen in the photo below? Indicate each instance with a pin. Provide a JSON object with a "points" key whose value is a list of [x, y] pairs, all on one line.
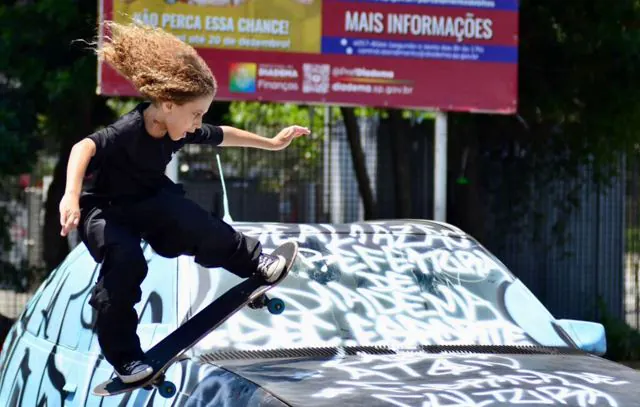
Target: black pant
{"points": [[173, 225]]}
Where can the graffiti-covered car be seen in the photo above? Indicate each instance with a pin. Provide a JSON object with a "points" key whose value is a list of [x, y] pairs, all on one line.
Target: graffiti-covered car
{"points": [[389, 313]]}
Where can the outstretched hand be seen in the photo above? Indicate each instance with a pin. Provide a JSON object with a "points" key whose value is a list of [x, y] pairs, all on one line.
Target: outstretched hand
{"points": [[286, 136]]}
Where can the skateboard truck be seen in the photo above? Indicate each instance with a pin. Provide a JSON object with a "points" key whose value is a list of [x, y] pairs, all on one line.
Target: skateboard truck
{"points": [[274, 305], [166, 388]]}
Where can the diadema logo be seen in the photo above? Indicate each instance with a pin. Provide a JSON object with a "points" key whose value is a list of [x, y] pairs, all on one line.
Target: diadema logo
{"points": [[242, 77]]}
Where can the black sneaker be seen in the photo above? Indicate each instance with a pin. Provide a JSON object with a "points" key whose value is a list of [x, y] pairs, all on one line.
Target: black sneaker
{"points": [[133, 371], [270, 267]]}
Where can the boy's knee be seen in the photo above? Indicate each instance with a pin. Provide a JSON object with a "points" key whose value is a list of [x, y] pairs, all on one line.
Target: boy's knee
{"points": [[124, 269], [106, 301], [127, 256]]}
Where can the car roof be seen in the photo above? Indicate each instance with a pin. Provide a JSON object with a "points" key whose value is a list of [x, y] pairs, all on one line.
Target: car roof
{"points": [[395, 226]]}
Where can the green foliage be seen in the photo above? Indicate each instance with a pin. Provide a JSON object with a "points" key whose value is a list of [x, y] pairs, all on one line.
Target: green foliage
{"points": [[47, 93], [578, 112], [623, 341], [18, 143], [301, 159], [121, 106], [47, 74], [632, 240], [579, 78], [251, 114], [578, 81]]}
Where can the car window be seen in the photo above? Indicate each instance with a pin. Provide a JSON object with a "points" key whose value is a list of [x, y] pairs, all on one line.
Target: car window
{"points": [[407, 290]]}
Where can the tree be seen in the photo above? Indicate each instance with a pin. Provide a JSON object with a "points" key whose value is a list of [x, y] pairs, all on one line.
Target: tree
{"points": [[301, 159], [18, 149], [270, 117], [359, 163], [54, 79], [578, 107]]}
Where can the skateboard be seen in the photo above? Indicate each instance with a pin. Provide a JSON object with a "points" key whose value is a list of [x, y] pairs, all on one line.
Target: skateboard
{"points": [[251, 292]]}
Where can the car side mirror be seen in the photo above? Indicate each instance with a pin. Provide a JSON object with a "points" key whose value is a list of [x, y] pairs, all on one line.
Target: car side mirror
{"points": [[588, 336]]}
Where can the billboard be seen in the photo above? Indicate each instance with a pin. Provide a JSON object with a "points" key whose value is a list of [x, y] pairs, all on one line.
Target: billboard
{"points": [[448, 55]]}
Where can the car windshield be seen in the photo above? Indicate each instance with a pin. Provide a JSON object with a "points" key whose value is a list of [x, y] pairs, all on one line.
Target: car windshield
{"points": [[403, 290]]}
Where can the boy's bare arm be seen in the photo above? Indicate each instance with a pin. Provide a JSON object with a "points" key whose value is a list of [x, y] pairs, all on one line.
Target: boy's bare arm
{"points": [[234, 137], [79, 159]]}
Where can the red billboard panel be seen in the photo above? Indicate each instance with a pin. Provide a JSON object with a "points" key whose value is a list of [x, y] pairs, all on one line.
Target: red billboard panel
{"points": [[450, 55]]}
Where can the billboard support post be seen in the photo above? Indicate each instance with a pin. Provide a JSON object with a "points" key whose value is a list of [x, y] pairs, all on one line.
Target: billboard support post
{"points": [[440, 168]]}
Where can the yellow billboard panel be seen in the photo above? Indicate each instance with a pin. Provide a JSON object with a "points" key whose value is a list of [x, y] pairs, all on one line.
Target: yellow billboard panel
{"points": [[267, 25]]}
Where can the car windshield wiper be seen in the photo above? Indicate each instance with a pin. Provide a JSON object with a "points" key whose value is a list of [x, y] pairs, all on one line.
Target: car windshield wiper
{"points": [[329, 352]]}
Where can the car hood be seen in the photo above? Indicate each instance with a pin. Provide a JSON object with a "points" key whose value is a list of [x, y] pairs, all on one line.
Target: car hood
{"points": [[376, 377]]}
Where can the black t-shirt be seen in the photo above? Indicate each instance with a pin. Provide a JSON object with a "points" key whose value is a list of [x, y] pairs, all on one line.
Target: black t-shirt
{"points": [[129, 164]]}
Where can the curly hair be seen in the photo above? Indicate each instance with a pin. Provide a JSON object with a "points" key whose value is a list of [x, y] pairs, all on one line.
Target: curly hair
{"points": [[158, 64]]}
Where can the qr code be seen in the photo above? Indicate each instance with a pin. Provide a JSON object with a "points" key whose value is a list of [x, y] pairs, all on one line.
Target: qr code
{"points": [[316, 78]]}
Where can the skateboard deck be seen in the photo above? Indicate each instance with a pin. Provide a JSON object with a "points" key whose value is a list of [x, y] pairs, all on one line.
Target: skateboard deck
{"points": [[251, 291]]}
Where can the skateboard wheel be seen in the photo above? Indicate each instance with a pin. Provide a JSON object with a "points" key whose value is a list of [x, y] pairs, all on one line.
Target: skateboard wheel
{"points": [[275, 306], [167, 389]]}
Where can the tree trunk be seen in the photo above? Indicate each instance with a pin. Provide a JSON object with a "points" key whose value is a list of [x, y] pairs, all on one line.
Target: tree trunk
{"points": [[467, 205], [56, 247], [401, 163], [359, 163], [475, 195]]}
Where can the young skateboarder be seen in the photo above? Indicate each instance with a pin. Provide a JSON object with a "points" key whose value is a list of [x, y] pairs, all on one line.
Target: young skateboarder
{"points": [[132, 199]]}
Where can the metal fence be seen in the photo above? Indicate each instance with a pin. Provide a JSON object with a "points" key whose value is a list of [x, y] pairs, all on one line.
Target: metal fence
{"points": [[307, 182], [24, 213], [571, 259]]}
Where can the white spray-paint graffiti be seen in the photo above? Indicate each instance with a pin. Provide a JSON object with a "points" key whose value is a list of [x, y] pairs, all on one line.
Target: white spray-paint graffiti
{"points": [[373, 284], [387, 286], [462, 381]]}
